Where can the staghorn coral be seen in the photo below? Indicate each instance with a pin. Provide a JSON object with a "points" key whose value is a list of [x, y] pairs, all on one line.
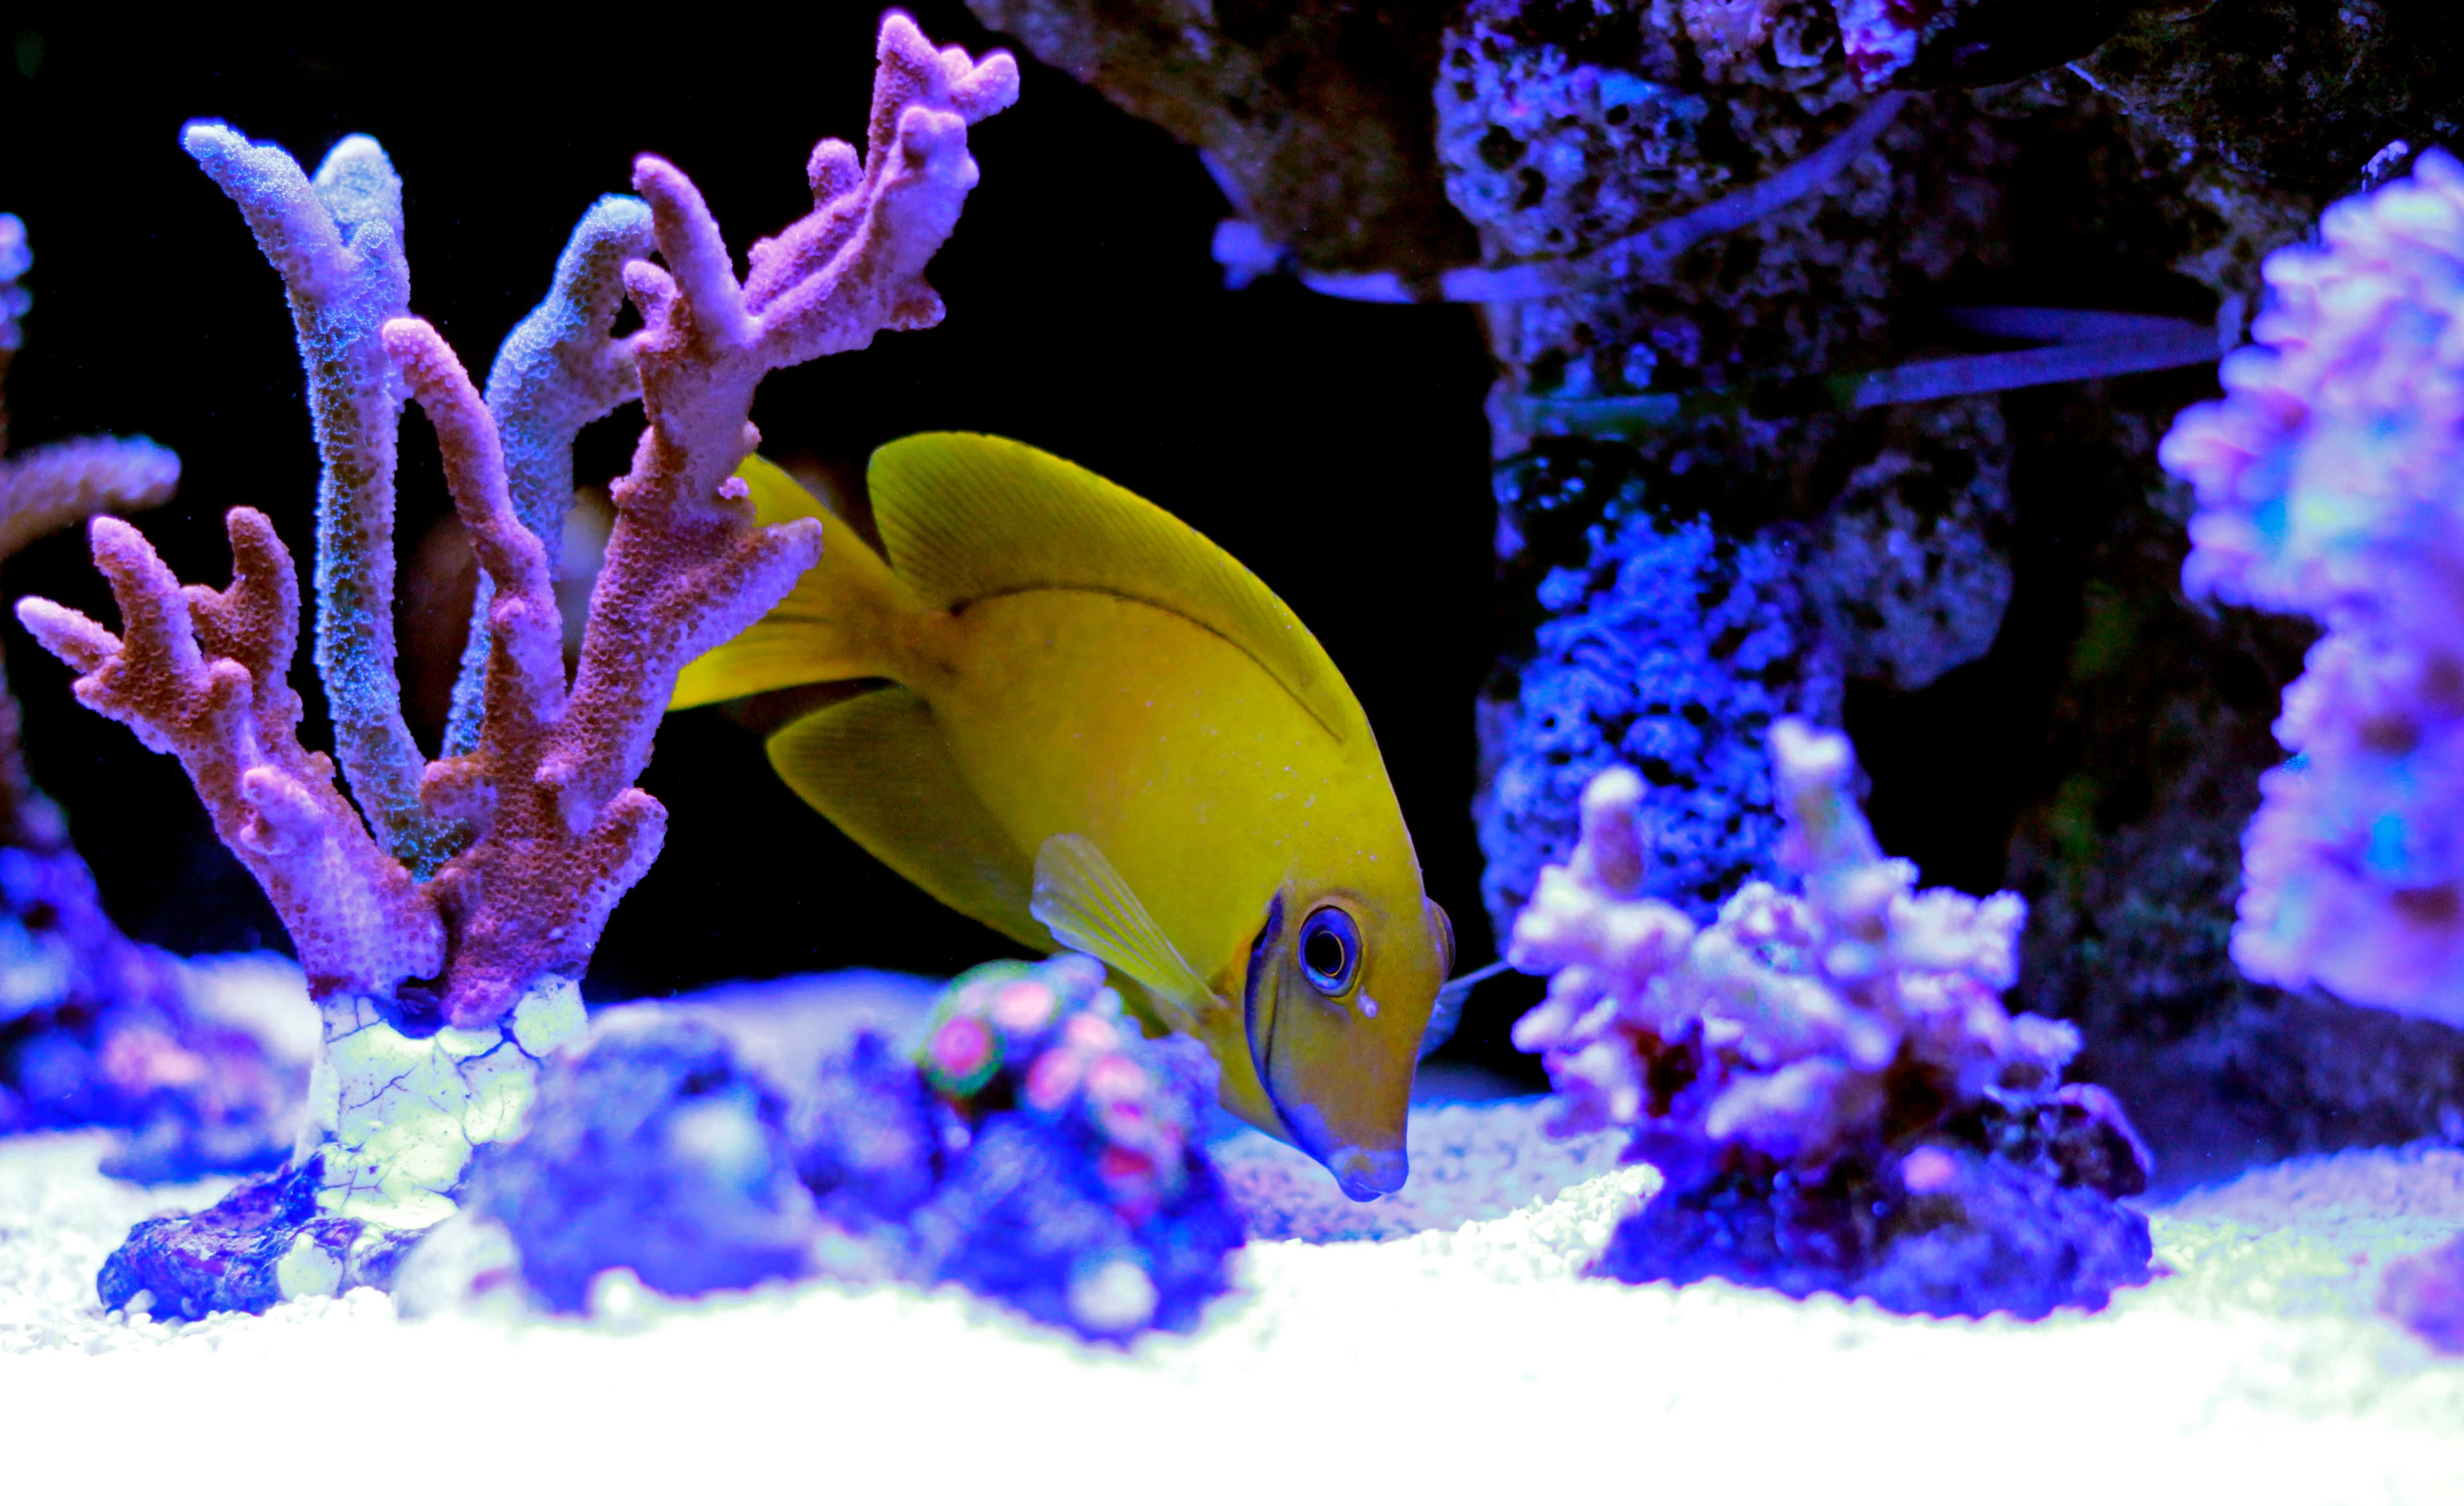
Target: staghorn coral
{"points": [[1826, 1079], [444, 936], [2325, 481], [95, 1028]]}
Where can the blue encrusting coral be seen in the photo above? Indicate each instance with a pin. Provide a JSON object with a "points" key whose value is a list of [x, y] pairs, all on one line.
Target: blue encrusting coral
{"points": [[1669, 644], [1034, 1148], [657, 1151]]}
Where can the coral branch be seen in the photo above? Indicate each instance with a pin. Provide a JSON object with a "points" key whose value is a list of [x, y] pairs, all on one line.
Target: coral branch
{"points": [[201, 675], [49, 487], [337, 243], [560, 371], [685, 569], [526, 666]]}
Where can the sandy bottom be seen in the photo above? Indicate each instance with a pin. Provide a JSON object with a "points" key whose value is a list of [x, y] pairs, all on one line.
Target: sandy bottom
{"points": [[1441, 1342]]}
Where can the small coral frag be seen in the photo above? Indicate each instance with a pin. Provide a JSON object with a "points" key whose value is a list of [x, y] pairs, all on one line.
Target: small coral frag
{"points": [[1827, 1077], [1049, 1160], [463, 894]]}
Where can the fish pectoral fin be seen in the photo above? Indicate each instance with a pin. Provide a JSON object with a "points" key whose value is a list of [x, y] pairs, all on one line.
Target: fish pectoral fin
{"points": [[1086, 905], [1447, 1013], [879, 766]]}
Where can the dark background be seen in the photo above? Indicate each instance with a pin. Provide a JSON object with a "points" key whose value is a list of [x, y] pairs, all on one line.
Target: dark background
{"points": [[1338, 448]]}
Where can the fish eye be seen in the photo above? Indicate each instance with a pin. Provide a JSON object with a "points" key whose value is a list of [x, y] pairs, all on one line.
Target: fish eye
{"points": [[1329, 951]]}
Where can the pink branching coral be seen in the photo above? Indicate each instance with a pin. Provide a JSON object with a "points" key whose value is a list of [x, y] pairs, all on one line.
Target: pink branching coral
{"points": [[2330, 483], [555, 832], [58, 484], [95, 1027], [1827, 1078], [443, 922]]}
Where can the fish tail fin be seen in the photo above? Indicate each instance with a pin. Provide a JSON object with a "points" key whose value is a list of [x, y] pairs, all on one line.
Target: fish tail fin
{"points": [[843, 621]]}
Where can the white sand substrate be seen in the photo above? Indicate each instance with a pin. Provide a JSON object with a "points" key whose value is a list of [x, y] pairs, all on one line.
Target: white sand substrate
{"points": [[1438, 1345]]}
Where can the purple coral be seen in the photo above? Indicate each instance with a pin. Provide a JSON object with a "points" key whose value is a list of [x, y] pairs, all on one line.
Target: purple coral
{"points": [[1827, 1077], [95, 1028], [471, 894], [2330, 483]]}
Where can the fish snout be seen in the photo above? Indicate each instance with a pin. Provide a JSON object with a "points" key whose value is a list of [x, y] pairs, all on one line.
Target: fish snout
{"points": [[1368, 1174]]}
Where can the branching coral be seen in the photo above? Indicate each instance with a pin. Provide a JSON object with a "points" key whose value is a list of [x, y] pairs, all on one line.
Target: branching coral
{"points": [[95, 1028], [476, 887], [2327, 483], [1827, 1078]]}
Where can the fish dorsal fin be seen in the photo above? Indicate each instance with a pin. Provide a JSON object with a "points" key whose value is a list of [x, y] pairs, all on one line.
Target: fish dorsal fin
{"points": [[967, 517], [1087, 906]]}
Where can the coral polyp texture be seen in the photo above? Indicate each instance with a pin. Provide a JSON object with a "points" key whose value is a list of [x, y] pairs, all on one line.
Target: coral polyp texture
{"points": [[1026, 1141], [445, 922], [95, 1028], [1056, 1154], [1825, 1076], [2330, 483]]}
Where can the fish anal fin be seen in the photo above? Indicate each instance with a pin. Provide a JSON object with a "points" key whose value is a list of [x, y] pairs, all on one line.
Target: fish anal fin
{"points": [[1086, 905], [969, 517], [879, 766]]}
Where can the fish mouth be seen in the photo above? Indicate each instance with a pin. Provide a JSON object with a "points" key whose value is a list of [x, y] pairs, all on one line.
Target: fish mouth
{"points": [[1366, 1175]]}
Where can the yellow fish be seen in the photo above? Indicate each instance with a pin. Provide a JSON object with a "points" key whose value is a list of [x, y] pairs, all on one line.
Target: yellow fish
{"points": [[1089, 727]]}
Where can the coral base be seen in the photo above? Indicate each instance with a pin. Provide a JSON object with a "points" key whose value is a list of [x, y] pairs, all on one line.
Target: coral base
{"points": [[1995, 1238], [265, 1242]]}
